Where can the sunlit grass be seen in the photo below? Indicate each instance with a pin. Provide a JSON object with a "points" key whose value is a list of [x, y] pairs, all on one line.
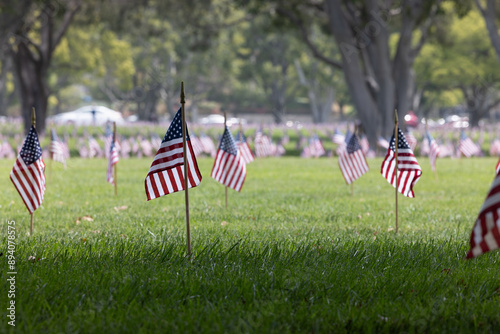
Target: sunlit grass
{"points": [[295, 252]]}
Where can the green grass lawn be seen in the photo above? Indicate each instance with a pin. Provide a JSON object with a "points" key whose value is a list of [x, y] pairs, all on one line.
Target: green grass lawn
{"points": [[295, 252]]}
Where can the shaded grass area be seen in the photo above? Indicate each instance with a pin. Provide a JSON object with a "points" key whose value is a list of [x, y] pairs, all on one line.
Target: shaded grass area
{"points": [[294, 253]]}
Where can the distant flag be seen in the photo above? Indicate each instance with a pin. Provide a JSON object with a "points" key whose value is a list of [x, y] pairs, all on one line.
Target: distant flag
{"points": [[113, 158], [241, 143], [262, 145], [229, 167], [155, 141], [409, 170], [466, 146], [197, 145], [352, 161], [382, 142], [338, 137], [28, 173], [94, 148], [56, 148], [317, 148], [485, 234], [208, 145], [166, 174], [433, 150], [365, 145], [108, 139], [412, 141]]}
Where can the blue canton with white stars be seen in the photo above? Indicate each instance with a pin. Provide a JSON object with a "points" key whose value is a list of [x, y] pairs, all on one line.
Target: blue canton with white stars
{"points": [[463, 136], [175, 129], [31, 150], [353, 144], [227, 143], [402, 143]]}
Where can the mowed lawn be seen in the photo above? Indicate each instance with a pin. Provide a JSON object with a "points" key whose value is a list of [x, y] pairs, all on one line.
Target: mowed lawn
{"points": [[294, 252]]}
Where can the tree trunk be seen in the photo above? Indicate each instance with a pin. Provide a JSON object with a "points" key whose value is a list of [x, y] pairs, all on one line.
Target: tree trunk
{"points": [[33, 87], [489, 18], [355, 79]]}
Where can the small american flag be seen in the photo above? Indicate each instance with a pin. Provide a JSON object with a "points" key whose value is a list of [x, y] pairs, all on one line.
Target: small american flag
{"points": [[486, 231], [262, 145], [229, 167], [382, 142], [94, 148], [28, 173], [467, 146], [108, 139], [352, 161], [197, 145], [338, 137], [113, 158], [317, 148], [433, 150], [365, 145], [56, 148], [166, 174], [208, 145], [246, 153], [409, 170], [412, 141]]}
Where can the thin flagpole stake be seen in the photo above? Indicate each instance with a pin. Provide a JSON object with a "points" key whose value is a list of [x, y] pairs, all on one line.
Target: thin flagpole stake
{"points": [[184, 148], [115, 165], [225, 119], [33, 122], [396, 167]]}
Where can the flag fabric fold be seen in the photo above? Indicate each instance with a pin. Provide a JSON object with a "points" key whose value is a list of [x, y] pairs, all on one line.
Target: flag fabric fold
{"points": [[485, 234], [466, 146], [166, 174], [229, 167], [409, 170], [352, 161], [28, 173]]}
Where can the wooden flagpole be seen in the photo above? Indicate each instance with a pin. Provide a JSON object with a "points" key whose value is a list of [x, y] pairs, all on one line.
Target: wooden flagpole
{"points": [[396, 167], [184, 148], [114, 166], [225, 119], [33, 122]]}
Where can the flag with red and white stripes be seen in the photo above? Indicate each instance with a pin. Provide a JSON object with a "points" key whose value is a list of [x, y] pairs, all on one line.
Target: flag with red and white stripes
{"points": [[352, 161], [412, 141], [56, 148], [229, 167], [466, 146], [28, 173], [433, 151], [113, 158], [409, 170], [166, 174], [246, 153], [498, 167], [262, 145], [485, 234]]}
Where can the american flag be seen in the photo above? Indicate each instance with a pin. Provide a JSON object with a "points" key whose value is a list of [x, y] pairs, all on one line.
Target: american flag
{"points": [[56, 148], [433, 150], [113, 158], [229, 167], [317, 148], [352, 161], [94, 148], [246, 153], [467, 146], [208, 145], [155, 141], [108, 139], [262, 145], [409, 170], [486, 231], [412, 141], [197, 145], [365, 145], [382, 142], [338, 137], [495, 147], [166, 174], [28, 173]]}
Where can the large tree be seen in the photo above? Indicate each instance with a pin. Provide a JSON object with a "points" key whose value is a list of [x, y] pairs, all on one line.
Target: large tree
{"points": [[491, 14], [36, 40], [378, 77]]}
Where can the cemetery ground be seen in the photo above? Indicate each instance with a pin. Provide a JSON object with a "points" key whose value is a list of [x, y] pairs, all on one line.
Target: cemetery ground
{"points": [[294, 252]]}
